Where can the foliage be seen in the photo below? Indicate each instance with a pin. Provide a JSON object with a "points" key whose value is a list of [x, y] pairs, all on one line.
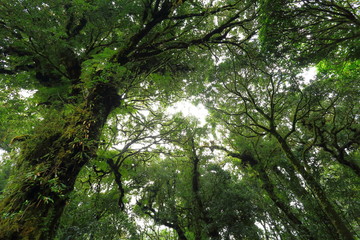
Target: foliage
{"points": [[310, 30], [96, 152]]}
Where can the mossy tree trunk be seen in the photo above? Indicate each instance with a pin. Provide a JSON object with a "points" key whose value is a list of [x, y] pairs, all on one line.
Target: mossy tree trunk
{"points": [[48, 166]]}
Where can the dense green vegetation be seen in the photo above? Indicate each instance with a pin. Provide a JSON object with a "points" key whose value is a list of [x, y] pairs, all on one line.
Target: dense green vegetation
{"points": [[92, 151]]}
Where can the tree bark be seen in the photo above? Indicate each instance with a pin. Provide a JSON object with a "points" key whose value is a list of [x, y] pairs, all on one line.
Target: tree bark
{"points": [[49, 164]]}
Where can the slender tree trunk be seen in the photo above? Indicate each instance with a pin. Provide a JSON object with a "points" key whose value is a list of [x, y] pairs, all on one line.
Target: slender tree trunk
{"points": [[310, 204], [294, 220], [200, 212], [335, 219], [48, 166], [197, 201]]}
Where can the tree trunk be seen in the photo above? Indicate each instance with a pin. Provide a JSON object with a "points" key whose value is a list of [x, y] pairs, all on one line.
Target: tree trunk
{"points": [[199, 209], [49, 164], [294, 221], [309, 202], [197, 201], [335, 219]]}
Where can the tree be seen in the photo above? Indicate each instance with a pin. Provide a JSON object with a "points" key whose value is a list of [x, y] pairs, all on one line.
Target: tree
{"points": [[277, 159], [268, 103], [190, 193], [134, 39], [310, 30]]}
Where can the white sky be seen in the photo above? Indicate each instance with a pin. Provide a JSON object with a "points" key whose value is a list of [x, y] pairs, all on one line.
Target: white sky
{"points": [[309, 74], [26, 93], [2, 152], [188, 109]]}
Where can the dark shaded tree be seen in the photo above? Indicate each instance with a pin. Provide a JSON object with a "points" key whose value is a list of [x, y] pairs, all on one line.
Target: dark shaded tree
{"points": [[84, 58]]}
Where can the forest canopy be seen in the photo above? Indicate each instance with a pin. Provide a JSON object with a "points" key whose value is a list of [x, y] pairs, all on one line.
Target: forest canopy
{"points": [[92, 147]]}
